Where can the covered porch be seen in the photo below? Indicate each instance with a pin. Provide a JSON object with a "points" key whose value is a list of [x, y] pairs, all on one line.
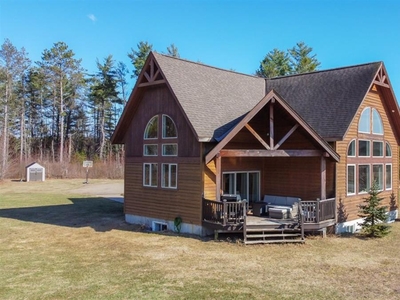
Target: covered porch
{"points": [[270, 153]]}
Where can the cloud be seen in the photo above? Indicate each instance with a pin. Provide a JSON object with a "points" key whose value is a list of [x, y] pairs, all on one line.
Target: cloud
{"points": [[92, 17]]}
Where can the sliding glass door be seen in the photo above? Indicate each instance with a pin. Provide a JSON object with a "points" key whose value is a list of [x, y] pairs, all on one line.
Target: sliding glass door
{"points": [[245, 184]]}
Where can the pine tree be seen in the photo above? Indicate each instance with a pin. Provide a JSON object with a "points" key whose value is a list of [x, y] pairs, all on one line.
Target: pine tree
{"points": [[374, 224]]}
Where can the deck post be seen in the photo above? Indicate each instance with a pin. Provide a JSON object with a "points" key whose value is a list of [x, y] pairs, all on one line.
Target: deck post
{"points": [[218, 177], [225, 213], [323, 177], [271, 124]]}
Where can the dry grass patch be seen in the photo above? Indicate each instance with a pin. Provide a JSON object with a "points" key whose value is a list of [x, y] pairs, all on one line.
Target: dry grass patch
{"points": [[60, 245]]}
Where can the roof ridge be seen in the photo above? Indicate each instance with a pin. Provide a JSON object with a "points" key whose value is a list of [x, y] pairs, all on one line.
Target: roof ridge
{"points": [[205, 65], [326, 70]]}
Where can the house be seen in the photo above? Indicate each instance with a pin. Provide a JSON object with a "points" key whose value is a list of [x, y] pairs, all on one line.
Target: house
{"points": [[195, 135]]}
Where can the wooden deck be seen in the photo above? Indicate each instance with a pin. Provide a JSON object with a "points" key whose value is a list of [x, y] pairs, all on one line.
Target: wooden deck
{"points": [[222, 217]]}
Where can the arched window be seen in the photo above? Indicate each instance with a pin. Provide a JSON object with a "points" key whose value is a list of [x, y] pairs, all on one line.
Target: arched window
{"points": [[388, 150], [165, 145], [364, 125], [351, 151], [151, 131], [169, 128], [377, 126]]}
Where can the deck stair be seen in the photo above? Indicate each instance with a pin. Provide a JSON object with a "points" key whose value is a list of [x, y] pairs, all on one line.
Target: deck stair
{"points": [[267, 234]]}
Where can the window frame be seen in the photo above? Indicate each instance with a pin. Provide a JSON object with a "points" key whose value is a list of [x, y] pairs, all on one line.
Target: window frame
{"points": [[150, 184], [382, 187], [374, 110], [391, 177], [149, 155], [369, 148], [169, 185], [147, 126], [361, 118], [355, 148], [354, 179], [387, 144], [381, 142], [163, 128], [164, 145], [368, 181]]}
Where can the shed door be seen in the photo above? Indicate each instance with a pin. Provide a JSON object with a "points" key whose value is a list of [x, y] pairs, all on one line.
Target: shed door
{"points": [[35, 174]]}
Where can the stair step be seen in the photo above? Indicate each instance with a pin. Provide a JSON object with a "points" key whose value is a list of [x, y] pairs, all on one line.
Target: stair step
{"points": [[253, 236], [272, 241], [272, 230]]}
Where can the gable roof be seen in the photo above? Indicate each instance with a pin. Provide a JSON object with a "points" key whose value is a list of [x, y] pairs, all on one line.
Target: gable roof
{"points": [[272, 95], [327, 100], [210, 97]]}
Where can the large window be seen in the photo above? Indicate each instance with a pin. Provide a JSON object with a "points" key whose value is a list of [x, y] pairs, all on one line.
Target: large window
{"points": [[245, 184], [155, 145], [369, 157]]}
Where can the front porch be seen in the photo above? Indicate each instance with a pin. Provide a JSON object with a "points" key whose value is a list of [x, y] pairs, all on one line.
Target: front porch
{"points": [[224, 216]]}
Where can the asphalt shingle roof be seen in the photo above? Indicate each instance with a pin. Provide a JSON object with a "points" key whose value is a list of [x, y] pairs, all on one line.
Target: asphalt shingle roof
{"points": [[213, 99], [327, 100]]}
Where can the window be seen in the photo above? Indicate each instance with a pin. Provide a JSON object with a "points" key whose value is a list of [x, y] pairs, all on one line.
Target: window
{"points": [[151, 131], [377, 126], [169, 175], [150, 174], [388, 177], [150, 150], [377, 149], [377, 175], [364, 125], [388, 150], [155, 145], [168, 127], [351, 179], [245, 184], [169, 149], [364, 182], [351, 151], [363, 148]]}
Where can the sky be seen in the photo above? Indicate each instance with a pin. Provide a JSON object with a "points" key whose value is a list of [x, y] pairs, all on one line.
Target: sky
{"points": [[228, 34]]}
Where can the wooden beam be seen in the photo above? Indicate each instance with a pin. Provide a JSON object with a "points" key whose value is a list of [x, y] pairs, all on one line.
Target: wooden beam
{"points": [[270, 153], [257, 136], [323, 177], [287, 135], [382, 84], [271, 124], [152, 83], [218, 177], [147, 76]]}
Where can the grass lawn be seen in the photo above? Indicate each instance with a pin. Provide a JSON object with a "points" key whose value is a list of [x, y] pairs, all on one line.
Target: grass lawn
{"points": [[57, 244]]}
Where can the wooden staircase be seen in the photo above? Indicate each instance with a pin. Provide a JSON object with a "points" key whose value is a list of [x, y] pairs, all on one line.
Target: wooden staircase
{"points": [[266, 234]]}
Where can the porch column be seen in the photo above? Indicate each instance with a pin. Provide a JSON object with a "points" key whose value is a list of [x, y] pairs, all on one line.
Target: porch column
{"points": [[271, 124], [218, 176], [323, 177]]}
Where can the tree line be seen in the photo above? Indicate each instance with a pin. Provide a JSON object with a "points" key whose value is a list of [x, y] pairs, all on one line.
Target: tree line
{"points": [[53, 111]]}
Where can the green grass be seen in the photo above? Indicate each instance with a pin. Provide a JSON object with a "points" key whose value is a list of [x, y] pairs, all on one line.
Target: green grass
{"points": [[55, 244]]}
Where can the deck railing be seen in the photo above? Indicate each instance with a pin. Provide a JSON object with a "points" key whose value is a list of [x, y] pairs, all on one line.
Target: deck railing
{"points": [[316, 211], [224, 212]]}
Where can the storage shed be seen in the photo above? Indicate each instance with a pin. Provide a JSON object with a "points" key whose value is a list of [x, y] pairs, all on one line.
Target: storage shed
{"points": [[35, 172]]}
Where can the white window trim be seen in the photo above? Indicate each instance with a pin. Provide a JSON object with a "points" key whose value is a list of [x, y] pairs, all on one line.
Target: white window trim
{"points": [[355, 148], [355, 179], [369, 123], [144, 175], [372, 122], [390, 147], [391, 177], [144, 133], [144, 149], [383, 148], [162, 128], [169, 176], [358, 178], [162, 149], [383, 175], [369, 141]]}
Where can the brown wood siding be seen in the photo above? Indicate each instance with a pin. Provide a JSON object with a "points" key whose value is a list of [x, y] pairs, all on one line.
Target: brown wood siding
{"points": [[351, 203], [209, 180], [166, 204], [158, 100]]}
